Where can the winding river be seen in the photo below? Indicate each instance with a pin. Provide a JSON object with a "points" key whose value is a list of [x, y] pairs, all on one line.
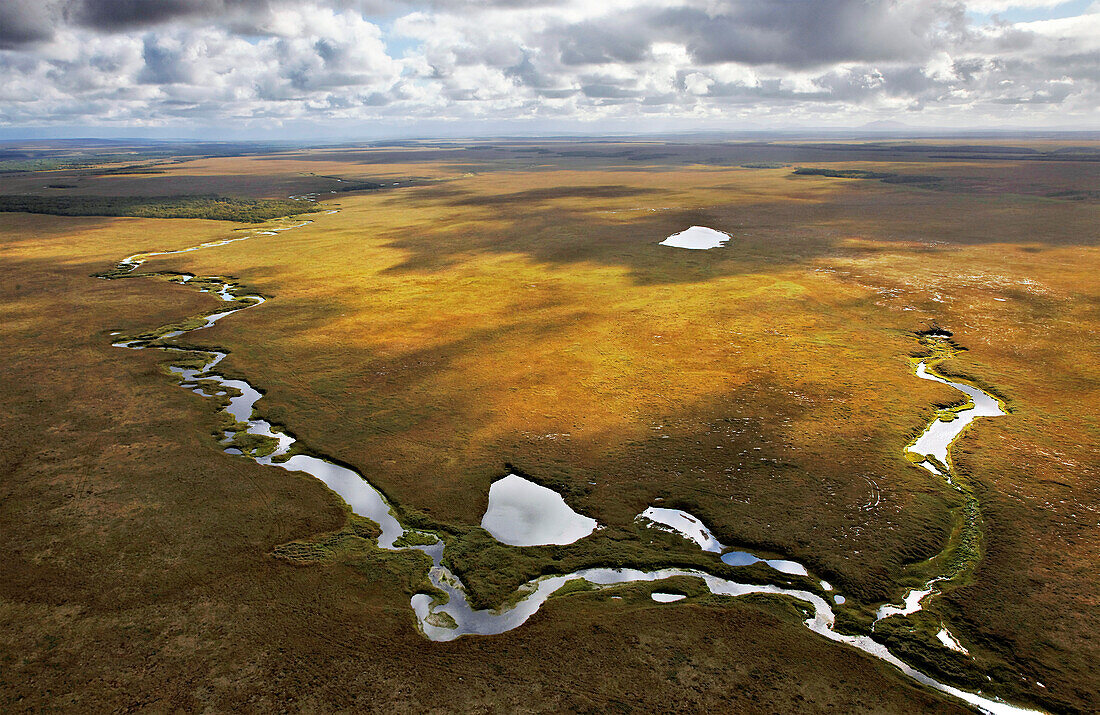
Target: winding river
{"points": [[444, 620]]}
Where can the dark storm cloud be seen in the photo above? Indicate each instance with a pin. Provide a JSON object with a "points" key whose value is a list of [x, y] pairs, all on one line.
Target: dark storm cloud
{"points": [[28, 21], [605, 42], [127, 14], [163, 64], [528, 74], [25, 21], [791, 34], [787, 33], [243, 16], [459, 5]]}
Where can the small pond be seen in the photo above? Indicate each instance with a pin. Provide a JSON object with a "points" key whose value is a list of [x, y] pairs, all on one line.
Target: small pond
{"points": [[522, 513], [698, 238]]}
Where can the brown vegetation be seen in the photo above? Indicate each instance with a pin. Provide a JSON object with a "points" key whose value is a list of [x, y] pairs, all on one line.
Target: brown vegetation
{"points": [[520, 313]]}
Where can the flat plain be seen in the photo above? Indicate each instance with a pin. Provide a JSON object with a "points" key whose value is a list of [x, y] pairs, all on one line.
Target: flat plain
{"points": [[479, 308]]}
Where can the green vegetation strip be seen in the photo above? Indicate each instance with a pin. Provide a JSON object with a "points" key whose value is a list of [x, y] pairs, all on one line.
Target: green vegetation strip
{"points": [[887, 178], [209, 207]]}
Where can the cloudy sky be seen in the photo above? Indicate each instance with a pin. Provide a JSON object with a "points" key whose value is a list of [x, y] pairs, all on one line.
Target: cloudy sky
{"points": [[316, 68]]}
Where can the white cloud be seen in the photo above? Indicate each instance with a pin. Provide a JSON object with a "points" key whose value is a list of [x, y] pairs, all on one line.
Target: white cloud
{"points": [[568, 60], [1080, 33], [994, 6], [940, 67]]}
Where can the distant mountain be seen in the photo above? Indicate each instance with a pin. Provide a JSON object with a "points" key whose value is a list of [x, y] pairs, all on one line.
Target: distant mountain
{"points": [[884, 125]]}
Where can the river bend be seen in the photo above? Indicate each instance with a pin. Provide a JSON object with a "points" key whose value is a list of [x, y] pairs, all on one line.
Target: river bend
{"points": [[446, 620]]}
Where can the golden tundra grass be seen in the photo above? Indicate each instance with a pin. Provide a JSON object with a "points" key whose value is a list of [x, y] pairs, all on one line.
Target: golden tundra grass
{"points": [[139, 568], [435, 337]]}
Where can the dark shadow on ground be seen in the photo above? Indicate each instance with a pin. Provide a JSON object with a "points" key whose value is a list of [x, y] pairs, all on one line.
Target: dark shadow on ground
{"points": [[525, 198], [561, 225]]}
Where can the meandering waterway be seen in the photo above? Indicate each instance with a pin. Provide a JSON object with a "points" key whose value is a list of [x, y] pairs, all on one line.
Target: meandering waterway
{"points": [[441, 620]]}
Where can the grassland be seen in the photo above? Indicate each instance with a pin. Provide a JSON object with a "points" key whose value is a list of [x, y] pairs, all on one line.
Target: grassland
{"points": [[516, 313]]}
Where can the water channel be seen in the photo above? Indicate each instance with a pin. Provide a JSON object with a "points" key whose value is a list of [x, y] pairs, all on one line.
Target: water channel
{"points": [[444, 620]]}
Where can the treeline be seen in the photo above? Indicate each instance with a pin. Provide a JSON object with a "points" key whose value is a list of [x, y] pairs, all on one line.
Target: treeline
{"points": [[208, 207], [843, 173], [122, 170], [1075, 195], [887, 178], [26, 162]]}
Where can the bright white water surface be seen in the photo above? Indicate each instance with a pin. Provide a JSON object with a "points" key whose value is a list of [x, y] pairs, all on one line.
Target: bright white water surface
{"points": [[744, 558], [939, 435], [698, 238], [683, 524], [692, 529], [447, 620], [522, 513], [949, 641], [911, 605], [661, 597]]}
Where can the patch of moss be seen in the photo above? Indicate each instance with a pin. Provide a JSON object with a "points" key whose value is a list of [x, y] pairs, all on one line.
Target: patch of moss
{"points": [[442, 619], [412, 537], [357, 533], [355, 544], [576, 585], [254, 445]]}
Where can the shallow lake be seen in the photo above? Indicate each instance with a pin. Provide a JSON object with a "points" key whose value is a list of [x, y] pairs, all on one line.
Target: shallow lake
{"points": [[522, 513]]}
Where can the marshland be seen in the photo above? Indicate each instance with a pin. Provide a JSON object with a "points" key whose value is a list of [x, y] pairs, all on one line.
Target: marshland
{"points": [[501, 308]]}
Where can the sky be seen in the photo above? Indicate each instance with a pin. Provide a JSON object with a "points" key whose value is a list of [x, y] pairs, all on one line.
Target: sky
{"points": [[279, 69]]}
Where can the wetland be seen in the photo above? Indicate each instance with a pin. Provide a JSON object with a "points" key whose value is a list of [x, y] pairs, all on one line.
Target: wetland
{"points": [[746, 426]]}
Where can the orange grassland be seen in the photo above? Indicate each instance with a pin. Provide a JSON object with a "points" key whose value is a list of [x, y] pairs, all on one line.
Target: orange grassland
{"points": [[519, 314]]}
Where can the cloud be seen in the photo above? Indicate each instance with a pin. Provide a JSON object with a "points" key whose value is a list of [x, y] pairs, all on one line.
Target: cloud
{"points": [[24, 22], [168, 62], [993, 6], [813, 34], [126, 14], [605, 42]]}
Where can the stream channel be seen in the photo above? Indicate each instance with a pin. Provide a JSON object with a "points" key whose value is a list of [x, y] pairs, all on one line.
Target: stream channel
{"points": [[444, 621]]}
